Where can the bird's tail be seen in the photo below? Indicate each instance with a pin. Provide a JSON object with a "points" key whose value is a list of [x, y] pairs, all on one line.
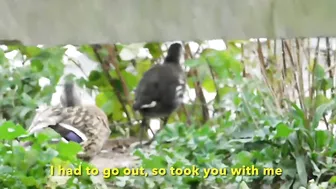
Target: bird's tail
{"points": [[69, 97]]}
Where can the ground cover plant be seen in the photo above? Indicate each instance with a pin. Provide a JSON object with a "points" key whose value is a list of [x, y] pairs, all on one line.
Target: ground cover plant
{"points": [[269, 101]]}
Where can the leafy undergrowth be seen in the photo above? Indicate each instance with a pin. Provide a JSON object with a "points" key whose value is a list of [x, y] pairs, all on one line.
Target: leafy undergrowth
{"points": [[250, 125], [31, 168], [248, 135]]}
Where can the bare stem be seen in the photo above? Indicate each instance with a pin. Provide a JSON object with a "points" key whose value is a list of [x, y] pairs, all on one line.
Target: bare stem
{"points": [[198, 88], [106, 68]]}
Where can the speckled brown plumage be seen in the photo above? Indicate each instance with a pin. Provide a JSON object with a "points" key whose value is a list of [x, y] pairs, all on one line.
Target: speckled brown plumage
{"points": [[84, 124], [90, 121]]}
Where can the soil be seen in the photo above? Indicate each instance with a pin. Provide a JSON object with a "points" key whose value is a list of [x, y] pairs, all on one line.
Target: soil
{"points": [[117, 153]]}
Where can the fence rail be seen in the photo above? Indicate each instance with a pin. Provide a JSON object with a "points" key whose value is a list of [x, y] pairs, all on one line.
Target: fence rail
{"points": [[108, 21]]}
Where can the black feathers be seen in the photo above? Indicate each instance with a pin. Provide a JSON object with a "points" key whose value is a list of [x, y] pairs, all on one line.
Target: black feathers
{"points": [[160, 91], [69, 97], [174, 54]]}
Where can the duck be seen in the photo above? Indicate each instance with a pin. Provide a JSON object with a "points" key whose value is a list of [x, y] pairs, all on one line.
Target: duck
{"points": [[160, 91], [84, 124]]}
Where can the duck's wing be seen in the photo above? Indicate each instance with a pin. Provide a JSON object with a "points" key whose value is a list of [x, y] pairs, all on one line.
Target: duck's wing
{"points": [[85, 125]]}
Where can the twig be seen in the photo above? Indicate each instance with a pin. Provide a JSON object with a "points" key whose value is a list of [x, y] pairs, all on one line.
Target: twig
{"points": [[106, 69], [78, 65], [242, 59], [281, 84], [263, 70], [113, 60], [330, 68], [217, 97], [198, 88], [301, 100], [308, 60], [284, 66], [329, 64], [312, 89], [294, 73], [283, 53], [325, 121], [300, 77]]}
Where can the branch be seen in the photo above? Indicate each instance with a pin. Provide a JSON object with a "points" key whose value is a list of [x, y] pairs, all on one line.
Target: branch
{"points": [[295, 76], [113, 60], [77, 64], [263, 71], [312, 89], [106, 68], [329, 64], [217, 97], [198, 87]]}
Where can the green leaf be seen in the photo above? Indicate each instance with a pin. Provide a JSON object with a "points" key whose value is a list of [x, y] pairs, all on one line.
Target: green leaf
{"points": [[326, 83], [2, 57], [42, 138], [244, 158], [154, 49], [28, 181], [105, 101], [119, 47], [108, 107], [31, 51], [143, 66], [243, 185], [36, 65], [49, 154], [209, 85], [138, 153], [27, 100], [283, 130], [10, 131], [5, 170], [301, 169], [68, 150], [297, 111], [321, 99], [194, 62], [333, 179], [24, 111], [321, 138], [130, 79], [320, 111], [226, 90], [95, 75], [155, 162], [319, 71], [97, 78], [88, 51]]}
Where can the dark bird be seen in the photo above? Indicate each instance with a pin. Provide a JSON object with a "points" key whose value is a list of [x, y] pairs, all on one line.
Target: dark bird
{"points": [[161, 89], [84, 124]]}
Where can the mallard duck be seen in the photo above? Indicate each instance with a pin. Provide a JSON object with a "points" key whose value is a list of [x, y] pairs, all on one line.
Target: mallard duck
{"points": [[161, 89], [84, 124]]}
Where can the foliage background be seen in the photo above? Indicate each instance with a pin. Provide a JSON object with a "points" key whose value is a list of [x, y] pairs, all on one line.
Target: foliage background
{"points": [[269, 100]]}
